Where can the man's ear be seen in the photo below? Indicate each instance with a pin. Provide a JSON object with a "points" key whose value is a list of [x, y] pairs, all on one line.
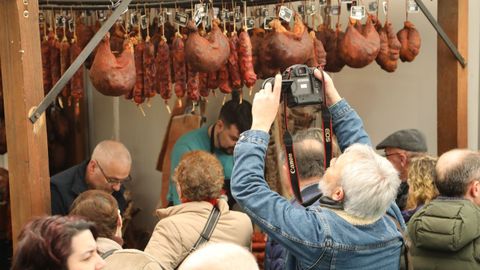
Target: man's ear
{"points": [[92, 164], [338, 194], [220, 125], [474, 190], [179, 190], [403, 159]]}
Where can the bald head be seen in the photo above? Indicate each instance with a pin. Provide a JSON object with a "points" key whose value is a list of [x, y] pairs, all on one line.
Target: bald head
{"points": [[220, 256], [112, 151], [309, 152], [455, 170]]}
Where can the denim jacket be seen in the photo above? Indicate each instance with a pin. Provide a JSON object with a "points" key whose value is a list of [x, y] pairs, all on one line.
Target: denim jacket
{"points": [[315, 237]]}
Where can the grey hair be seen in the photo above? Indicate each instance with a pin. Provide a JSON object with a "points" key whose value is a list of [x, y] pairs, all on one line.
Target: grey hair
{"points": [[109, 150], [453, 181], [309, 152], [369, 181]]}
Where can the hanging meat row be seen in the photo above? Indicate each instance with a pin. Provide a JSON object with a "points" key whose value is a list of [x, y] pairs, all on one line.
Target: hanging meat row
{"points": [[140, 63]]}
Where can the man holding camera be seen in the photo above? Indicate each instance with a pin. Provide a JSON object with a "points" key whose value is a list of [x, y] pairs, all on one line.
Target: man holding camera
{"points": [[354, 226]]}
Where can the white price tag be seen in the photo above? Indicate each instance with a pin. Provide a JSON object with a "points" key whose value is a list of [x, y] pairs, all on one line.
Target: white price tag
{"points": [[346, 1], [372, 7], [357, 12], [301, 9], [71, 25], [101, 15], [412, 7], [160, 20], [285, 13], [334, 10], [216, 11], [143, 21], [266, 22], [198, 15], [250, 23], [181, 19], [133, 19], [385, 7]]}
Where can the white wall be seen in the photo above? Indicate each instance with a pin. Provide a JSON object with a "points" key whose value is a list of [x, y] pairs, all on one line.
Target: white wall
{"points": [[405, 98], [386, 102]]}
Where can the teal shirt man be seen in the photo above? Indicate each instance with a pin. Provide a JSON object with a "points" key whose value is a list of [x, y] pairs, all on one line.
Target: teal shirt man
{"points": [[195, 140], [219, 139]]}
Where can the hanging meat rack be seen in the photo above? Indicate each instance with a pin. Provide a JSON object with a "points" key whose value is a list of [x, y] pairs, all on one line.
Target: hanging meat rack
{"points": [[105, 5], [120, 6]]}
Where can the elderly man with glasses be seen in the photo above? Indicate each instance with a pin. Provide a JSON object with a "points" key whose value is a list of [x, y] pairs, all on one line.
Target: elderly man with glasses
{"points": [[107, 169], [400, 147]]}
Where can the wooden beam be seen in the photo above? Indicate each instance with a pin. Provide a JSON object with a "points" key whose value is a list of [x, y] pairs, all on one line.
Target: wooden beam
{"points": [[452, 79], [23, 89]]}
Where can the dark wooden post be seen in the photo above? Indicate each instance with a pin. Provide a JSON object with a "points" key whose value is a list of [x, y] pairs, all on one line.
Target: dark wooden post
{"points": [[23, 89], [452, 79]]}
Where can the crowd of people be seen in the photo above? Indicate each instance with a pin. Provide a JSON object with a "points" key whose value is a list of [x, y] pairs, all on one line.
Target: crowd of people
{"points": [[404, 209]]}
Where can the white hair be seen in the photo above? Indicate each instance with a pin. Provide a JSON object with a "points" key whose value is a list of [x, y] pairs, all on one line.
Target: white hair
{"points": [[369, 181], [220, 256]]}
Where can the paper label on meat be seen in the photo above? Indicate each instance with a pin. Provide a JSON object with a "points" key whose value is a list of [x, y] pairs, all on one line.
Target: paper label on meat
{"points": [[223, 14], [101, 15], [311, 9], [143, 21], [60, 21], [133, 19], [285, 13], [235, 16], [301, 9], [250, 21], [199, 14], [181, 19], [385, 7], [216, 11], [266, 22], [333, 10], [412, 7], [71, 25], [357, 12], [346, 1], [372, 6], [161, 20]]}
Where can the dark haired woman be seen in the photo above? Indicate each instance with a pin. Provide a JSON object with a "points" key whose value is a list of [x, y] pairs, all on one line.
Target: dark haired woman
{"points": [[57, 242]]}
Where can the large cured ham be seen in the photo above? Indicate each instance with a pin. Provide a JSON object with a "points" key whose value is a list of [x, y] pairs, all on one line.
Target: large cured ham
{"points": [[113, 76]]}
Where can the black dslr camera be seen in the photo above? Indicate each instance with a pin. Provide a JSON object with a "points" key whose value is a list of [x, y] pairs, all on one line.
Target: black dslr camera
{"points": [[300, 86]]}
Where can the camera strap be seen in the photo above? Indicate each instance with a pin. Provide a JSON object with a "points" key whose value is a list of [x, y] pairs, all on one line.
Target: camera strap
{"points": [[288, 141], [290, 156], [326, 127]]}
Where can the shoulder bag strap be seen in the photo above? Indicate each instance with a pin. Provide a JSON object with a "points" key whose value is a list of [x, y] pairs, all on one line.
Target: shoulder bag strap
{"points": [[108, 253], [207, 231], [406, 243]]}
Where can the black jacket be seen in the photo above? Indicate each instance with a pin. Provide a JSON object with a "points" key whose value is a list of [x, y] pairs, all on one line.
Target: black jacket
{"points": [[67, 185]]}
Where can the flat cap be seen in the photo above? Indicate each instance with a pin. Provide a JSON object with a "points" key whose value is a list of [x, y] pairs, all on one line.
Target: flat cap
{"points": [[407, 139]]}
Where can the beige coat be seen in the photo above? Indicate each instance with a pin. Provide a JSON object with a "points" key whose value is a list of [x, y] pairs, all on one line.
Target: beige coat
{"points": [[131, 259], [106, 244], [180, 227]]}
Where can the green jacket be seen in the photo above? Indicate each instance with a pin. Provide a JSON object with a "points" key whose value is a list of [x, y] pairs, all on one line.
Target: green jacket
{"points": [[445, 234]]}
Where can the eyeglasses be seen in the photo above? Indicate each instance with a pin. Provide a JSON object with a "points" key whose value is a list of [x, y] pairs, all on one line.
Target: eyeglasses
{"points": [[392, 154], [112, 180]]}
